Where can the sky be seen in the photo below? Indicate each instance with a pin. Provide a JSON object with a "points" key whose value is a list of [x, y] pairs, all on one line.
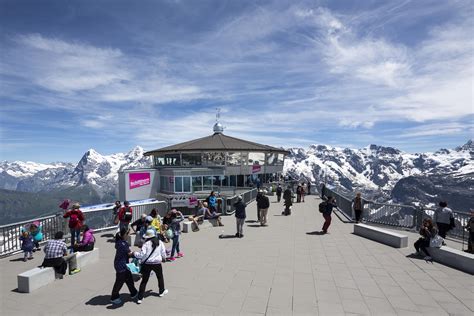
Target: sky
{"points": [[111, 75]]}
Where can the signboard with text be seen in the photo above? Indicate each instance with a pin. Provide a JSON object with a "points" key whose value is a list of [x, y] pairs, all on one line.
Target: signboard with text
{"points": [[256, 168], [189, 201], [139, 179]]}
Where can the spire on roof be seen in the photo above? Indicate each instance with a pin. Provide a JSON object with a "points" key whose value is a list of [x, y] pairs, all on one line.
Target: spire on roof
{"points": [[218, 127]]}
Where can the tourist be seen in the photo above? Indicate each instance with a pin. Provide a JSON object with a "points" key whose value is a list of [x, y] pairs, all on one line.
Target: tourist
{"points": [[427, 231], [27, 245], [298, 193], [263, 204], [88, 240], [240, 216], [125, 215], [115, 211], [175, 226], [444, 218], [151, 256], [156, 222], [309, 188], [56, 256], [287, 197], [212, 202], [75, 223], [198, 216], [257, 199], [330, 204], [137, 225], [470, 228], [122, 274], [147, 225], [303, 191], [210, 214], [358, 206], [36, 230], [323, 192], [279, 191]]}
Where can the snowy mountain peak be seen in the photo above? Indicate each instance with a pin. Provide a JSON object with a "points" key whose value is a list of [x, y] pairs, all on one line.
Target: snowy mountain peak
{"points": [[469, 146]]}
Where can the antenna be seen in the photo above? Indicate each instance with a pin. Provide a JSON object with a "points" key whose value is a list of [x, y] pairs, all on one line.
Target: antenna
{"points": [[218, 128], [218, 114]]}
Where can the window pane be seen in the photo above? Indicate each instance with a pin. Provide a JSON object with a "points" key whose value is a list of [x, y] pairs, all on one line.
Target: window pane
{"points": [[191, 159], [159, 161], [280, 159], [234, 159], [256, 159], [207, 183], [213, 158], [233, 181], [272, 159], [225, 181], [172, 160], [197, 184], [186, 184], [216, 182], [178, 184], [240, 180]]}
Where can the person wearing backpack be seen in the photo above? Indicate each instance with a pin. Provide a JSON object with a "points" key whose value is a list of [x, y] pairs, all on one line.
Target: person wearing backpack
{"points": [[152, 254], [75, 223], [287, 197], [125, 215]]}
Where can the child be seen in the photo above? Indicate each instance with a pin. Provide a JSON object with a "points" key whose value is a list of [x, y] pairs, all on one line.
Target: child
{"points": [[27, 245], [36, 231]]}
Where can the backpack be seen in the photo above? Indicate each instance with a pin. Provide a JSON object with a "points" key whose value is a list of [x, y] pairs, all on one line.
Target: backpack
{"points": [[322, 207], [74, 220], [127, 215]]}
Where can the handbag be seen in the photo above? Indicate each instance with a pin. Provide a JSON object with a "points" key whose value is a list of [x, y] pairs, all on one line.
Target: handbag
{"points": [[135, 267], [436, 241], [169, 233]]}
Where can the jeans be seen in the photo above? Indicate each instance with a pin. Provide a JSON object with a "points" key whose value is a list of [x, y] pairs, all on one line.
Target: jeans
{"points": [[358, 214], [263, 216], [327, 222], [422, 244], [120, 279], [240, 225], [175, 246], [123, 224], [146, 270], [75, 234]]}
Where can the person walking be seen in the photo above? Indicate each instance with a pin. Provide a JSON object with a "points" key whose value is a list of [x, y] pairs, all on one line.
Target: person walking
{"points": [[36, 230], [240, 215], [175, 226], [279, 191], [125, 215], [27, 245], [298, 193], [427, 231], [151, 256], [257, 199], [75, 223], [358, 206], [330, 204], [122, 274], [287, 197], [263, 204], [444, 218]]}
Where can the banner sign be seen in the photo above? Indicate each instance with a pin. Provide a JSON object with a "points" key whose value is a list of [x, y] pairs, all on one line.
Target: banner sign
{"points": [[137, 180], [256, 168], [184, 201]]}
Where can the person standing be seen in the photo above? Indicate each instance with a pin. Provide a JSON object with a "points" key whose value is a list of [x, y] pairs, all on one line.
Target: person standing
{"points": [[279, 191], [470, 228], [444, 218], [303, 191], [125, 215], [298, 193], [263, 204], [152, 254], [323, 192], [27, 245], [115, 211], [36, 230], [75, 223], [257, 199], [358, 206], [175, 225], [240, 215], [212, 202], [122, 274], [330, 204], [287, 197], [309, 188]]}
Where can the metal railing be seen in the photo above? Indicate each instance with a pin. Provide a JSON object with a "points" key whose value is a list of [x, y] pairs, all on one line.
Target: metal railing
{"points": [[99, 219], [397, 215], [247, 197]]}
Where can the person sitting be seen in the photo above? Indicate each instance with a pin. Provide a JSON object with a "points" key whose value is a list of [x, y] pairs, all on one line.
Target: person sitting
{"points": [[88, 240], [198, 216], [208, 214], [56, 256], [427, 231], [138, 224], [156, 222]]}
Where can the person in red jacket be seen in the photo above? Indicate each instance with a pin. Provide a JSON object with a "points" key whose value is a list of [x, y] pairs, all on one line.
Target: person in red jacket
{"points": [[75, 223], [125, 215]]}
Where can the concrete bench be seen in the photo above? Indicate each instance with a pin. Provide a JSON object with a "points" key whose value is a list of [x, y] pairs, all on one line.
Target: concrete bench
{"points": [[381, 235], [34, 279], [84, 258], [207, 223], [454, 258]]}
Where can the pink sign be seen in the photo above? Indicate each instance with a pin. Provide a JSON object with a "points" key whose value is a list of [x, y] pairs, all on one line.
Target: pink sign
{"points": [[139, 179], [256, 168]]}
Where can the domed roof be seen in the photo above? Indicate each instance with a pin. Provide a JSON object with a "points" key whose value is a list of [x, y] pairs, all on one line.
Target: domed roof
{"points": [[218, 128]]}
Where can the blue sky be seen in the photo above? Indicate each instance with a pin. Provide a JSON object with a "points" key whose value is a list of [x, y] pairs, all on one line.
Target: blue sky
{"points": [[111, 75]]}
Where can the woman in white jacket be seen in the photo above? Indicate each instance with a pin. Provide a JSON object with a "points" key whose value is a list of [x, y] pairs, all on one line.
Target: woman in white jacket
{"points": [[151, 256]]}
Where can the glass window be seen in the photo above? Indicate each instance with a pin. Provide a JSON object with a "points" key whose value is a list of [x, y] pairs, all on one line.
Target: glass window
{"points": [[256, 159], [197, 184], [178, 184], [240, 180], [172, 160], [272, 159], [159, 161], [191, 159], [207, 185], [280, 159], [234, 159], [216, 182], [233, 181], [225, 181], [213, 158], [245, 158], [186, 184]]}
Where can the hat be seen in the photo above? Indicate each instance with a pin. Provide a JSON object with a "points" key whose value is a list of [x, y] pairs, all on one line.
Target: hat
{"points": [[150, 233], [126, 203], [149, 219], [76, 206], [144, 216], [239, 198]]}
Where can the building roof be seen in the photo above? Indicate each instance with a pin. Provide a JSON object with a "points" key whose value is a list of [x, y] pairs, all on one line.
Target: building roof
{"points": [[216, 142]]}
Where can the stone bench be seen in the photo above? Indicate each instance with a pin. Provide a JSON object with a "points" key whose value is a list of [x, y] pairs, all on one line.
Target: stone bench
{"points": [[35, 278], [454, 258], [381, 235], [207, 223]]}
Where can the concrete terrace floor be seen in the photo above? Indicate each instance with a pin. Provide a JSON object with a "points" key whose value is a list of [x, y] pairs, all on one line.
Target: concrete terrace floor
{"points": [[274, 270]]}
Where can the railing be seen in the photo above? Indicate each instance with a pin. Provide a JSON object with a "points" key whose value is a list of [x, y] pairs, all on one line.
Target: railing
{"points": [[247, 197], [99, 219], [404, 216]]}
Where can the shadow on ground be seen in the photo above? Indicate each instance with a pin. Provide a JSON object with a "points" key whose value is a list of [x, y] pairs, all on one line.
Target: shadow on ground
{"points": [[315, 233], [227, 236], [255, 225]]}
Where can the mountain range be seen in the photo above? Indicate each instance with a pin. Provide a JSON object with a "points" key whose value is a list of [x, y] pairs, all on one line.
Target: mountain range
{"points": [[382, 173]]}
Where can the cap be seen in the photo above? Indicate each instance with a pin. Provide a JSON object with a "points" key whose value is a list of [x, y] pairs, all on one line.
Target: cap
{"points": [[76, 206], [150, 233], [144, 216]]}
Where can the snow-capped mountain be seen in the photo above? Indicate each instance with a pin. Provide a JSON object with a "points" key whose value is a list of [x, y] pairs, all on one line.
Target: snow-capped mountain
{"points": [[94, 169], [376, 170]]}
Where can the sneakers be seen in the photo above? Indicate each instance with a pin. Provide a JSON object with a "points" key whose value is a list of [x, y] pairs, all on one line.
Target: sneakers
{"points": [[428, 258], [134, 297], [171, 259], [180, 255], [74, 271], [117, 301], [139, 301], [163, 293]]}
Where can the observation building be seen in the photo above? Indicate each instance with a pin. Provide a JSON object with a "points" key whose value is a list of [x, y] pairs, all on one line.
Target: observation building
{"points": [[214, 163]]}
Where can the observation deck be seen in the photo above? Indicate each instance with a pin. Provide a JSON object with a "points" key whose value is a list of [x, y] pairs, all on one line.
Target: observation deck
{"points": [[281, 269]]}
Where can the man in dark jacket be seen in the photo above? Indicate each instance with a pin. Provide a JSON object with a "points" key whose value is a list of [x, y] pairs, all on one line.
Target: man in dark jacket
{"points": [[287, 196], [240, 216], [258, 198], [263, 204], [279, 191], [330, 204]]}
